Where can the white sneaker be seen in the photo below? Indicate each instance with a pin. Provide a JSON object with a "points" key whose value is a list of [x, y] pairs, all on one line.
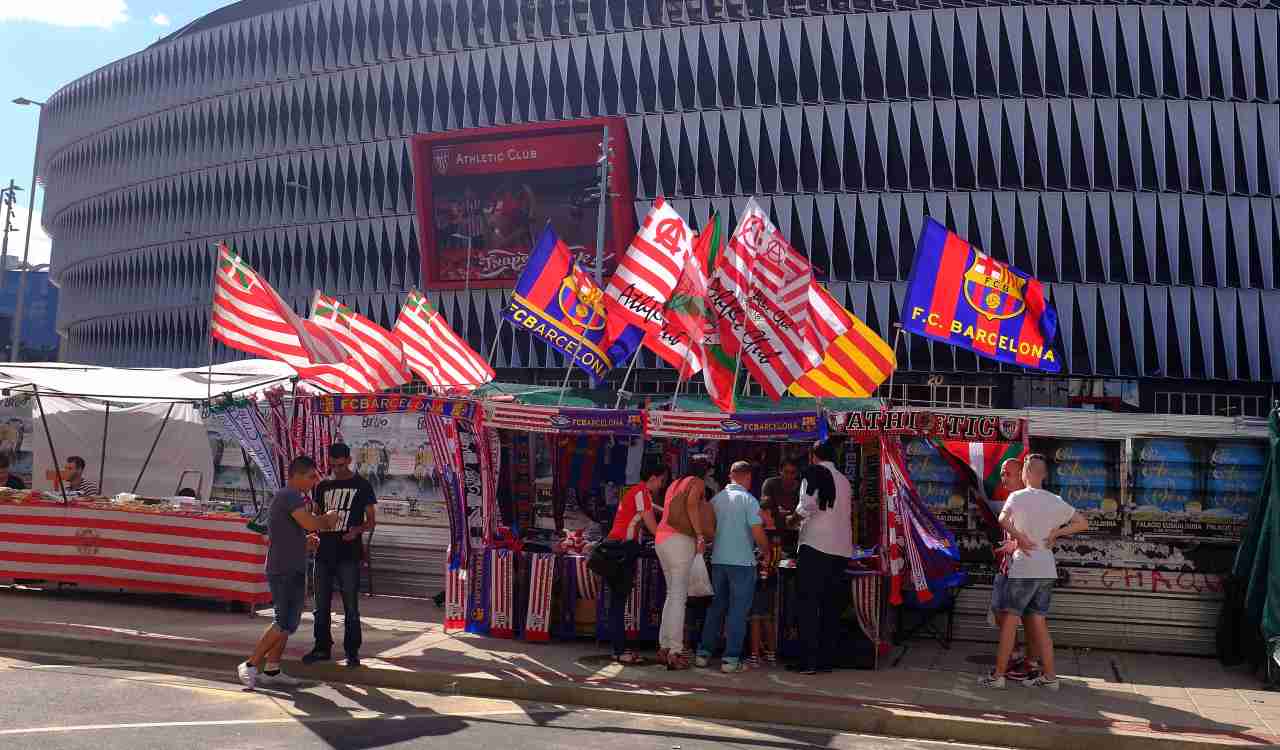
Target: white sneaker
{"points": [[990, 680], [1040, 681], [248, 675], [280, 679], [701, 662]]}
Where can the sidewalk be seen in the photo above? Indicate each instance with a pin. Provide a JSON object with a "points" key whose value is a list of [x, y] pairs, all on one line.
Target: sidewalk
{"points": [[1125, 700]]}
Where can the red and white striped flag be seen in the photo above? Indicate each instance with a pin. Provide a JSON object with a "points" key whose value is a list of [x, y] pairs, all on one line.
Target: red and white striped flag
{"points": [[761, 293], [434, 352], [249, 316], [371, 346], [651, 267]]}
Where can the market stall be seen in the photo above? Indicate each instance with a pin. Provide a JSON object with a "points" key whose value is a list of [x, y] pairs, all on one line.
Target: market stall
{"points": [[142, 437]]}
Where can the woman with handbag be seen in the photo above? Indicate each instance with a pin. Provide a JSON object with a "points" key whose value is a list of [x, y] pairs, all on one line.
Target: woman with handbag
{"points": [[681, 539]]}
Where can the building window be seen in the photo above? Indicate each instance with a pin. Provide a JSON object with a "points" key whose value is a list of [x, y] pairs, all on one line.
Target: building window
{"points": [[1210, 404]]}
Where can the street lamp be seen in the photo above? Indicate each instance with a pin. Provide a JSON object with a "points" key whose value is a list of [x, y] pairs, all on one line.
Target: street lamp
{"points": [[15, 346], [8, 196]]}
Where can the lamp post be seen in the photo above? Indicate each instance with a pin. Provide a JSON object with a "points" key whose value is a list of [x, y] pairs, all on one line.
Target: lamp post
{"points": [[15, 344], [8, 196]]}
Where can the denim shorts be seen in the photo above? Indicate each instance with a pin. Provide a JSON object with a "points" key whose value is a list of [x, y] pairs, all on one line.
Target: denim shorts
{"points": [[1022, 596], [287, 593]]}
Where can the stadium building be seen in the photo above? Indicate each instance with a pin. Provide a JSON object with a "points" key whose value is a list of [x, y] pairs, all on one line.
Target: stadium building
{"points": [[1128, 155]]}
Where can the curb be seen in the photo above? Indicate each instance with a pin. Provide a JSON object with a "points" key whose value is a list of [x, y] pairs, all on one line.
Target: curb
{"points": [[1032, 733]]}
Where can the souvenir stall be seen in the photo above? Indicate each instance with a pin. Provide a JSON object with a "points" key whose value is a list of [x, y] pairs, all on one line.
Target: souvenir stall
{"points": [[143, 440]]}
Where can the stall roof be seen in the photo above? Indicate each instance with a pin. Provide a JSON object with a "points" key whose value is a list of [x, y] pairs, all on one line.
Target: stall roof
{"points": [[535, 395], [138, 385]]}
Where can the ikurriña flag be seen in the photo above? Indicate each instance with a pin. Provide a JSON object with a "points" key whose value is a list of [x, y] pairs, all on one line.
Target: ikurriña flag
{"points": [[962, 296], [558, 302]]}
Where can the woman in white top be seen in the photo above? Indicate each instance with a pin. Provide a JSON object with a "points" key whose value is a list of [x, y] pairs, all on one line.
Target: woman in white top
{"points": [[826, 544]]}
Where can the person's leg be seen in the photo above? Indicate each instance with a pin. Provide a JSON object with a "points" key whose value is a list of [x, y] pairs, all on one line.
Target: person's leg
{"points": [[1039, 625], [325, 573], [288, 617], [348, 575], [676, 556], [265, 645], [1008, 632], [831, 607], [770, 628], [809, 574], [757, 637], [716, 612], [618, 619], [742, 587]]}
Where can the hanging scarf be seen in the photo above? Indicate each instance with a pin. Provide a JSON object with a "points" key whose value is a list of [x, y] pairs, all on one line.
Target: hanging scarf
{"points": [[588, 582], [634, 613], [502, 582], [866, 603], [490, 450], [537, 624], [447, 468], [479, 618], [918, 545], [455, 599]]}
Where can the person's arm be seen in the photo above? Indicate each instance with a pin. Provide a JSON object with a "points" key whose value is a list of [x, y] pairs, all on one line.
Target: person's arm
{"points": [[312, 522], [762, 542], [1078, 524], [1024, 542], [693, 509], [808, 504], [650, 521]]}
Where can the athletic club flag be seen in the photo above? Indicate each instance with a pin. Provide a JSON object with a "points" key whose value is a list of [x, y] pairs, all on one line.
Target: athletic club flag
{"points": [[559, 303], [651, 267], [250, 317], [760, 291], [370, 345], [855, 362], [434, 352], [962, 296]]}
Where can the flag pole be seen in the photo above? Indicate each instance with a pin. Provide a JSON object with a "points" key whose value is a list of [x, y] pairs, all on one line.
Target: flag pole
{"points": [[626, 376], [896, 338], [213, 294], [568, 370], [604, 204]]}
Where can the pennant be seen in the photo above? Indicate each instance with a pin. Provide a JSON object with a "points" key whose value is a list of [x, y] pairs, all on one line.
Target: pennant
{"points": [[855, 362], [959, 295], [558, 302]]}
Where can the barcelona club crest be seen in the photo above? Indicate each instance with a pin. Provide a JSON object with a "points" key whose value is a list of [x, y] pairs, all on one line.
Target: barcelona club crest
{"points": [[993, 290], [582, 301]]}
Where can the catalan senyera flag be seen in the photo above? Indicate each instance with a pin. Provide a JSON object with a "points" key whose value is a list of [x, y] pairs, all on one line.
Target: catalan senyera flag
{"points": [[434, 352], [855, 360], [559, 302], [249, 316], [650, 269], [370, 345], [959, 295]]}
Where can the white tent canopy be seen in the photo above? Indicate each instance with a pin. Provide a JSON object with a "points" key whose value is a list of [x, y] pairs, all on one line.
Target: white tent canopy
{"points": [[143, 385]]}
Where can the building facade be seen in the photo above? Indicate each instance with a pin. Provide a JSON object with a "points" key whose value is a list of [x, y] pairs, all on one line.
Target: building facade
{"points": [[1128, 155]]}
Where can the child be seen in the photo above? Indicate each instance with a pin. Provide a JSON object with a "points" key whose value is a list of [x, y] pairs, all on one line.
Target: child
{"points": [[764, 628]]}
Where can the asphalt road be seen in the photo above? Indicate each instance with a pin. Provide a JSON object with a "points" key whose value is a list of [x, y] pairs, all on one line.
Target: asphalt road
{"points": [[52, 703]]}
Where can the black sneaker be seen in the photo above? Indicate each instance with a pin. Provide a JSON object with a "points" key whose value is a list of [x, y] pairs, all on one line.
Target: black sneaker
{"points": [[353, 661], [316, 655]]}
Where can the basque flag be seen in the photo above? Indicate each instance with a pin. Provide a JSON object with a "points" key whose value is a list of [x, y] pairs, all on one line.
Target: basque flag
{"points": [[559, 303], [960, 295]]}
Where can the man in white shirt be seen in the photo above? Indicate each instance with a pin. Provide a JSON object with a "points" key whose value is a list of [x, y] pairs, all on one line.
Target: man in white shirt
{"points": [[826, 544], [1035, 519]]}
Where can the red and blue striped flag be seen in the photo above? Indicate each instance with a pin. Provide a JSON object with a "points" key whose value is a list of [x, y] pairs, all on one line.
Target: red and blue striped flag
{"points": [[962, 296], [557, 301]]}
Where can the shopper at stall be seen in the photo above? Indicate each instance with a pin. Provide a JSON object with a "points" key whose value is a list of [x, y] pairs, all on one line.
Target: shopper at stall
{"points": [[339, 555], [74, 480], [634, 515], [1023, 665], [826, 544], [1035, 518], [681, 537], [739, 532], [7, 478], [779, 496], [287, 527]]}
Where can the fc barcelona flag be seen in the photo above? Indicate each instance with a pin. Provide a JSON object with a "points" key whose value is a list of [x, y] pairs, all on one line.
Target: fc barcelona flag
{"points": [[960, 295], [558, 302]]}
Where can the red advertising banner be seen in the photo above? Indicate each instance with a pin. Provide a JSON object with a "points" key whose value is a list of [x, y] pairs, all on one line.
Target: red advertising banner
{"points": [[487, 193]]}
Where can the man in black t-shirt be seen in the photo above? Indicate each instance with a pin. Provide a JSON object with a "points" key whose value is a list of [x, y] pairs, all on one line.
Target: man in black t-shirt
{"points": [[338, 557]]}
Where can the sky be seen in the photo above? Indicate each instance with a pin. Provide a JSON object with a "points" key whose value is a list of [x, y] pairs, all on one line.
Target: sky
{"points": [[46, 44]]}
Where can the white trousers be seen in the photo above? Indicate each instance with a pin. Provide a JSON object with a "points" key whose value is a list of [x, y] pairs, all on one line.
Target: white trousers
{"points": [[676, 556]]}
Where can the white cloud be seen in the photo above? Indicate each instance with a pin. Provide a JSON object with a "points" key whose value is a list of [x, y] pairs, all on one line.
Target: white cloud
{"points": [[41, 243], [73, 13], [160, 19]]}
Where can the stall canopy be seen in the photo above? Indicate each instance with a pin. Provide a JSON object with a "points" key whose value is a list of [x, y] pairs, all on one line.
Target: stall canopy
{"points": [[143, 385], [1258, 560]]}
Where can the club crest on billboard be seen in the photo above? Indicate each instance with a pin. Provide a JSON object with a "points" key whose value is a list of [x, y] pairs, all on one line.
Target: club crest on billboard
{"points": [[440, 157]]}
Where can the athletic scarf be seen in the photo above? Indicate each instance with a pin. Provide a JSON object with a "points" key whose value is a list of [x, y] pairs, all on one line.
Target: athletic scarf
{"points": [[502, 577], [537, 623], [866, 603], [455, 599], [918, 544], [490, 450]]}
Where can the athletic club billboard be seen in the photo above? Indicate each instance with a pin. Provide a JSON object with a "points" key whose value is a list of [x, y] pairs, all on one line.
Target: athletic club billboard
{"points": [[494, 189]]}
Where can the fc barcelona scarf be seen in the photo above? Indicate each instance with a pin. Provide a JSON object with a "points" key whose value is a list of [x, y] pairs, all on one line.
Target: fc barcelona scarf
{"points": [[478, 620], [455, 599], [502, 580], [537, 624]]}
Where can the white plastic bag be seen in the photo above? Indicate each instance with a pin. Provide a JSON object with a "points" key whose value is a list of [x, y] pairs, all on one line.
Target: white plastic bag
{"points": [[700, 578]]}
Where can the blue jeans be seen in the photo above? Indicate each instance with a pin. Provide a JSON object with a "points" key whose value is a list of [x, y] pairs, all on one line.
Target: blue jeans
{"points": [[735, 587], [346, 574]]}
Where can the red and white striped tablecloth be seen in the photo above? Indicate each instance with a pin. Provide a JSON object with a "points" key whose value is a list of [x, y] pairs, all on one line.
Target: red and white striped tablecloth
{"points": [[95, 544]]}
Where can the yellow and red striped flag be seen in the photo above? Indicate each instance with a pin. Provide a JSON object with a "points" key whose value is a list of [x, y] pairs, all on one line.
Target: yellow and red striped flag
{"points": [[855, 362]]}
